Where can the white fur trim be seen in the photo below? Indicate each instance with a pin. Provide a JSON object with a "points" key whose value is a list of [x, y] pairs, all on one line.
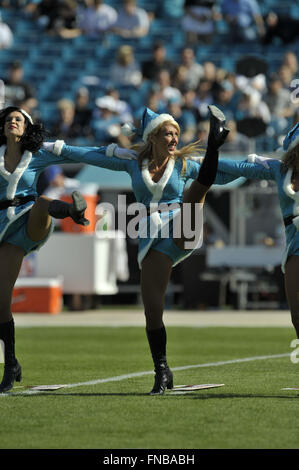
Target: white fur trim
{"points": [[155, 123], [57, 148], [110, 150], [13, 178], [27, 115], [287, 185], [157, 188], [251, 158], [194, 158]]}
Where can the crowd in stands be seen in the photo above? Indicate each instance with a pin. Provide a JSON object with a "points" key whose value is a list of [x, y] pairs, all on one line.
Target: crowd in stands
{"points": [[256, 101]]}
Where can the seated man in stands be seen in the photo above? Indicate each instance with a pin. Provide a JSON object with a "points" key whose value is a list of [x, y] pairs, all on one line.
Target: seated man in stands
{"points": [[132, 22]]}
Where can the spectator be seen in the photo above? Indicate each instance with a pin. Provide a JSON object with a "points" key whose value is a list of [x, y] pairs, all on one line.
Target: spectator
{"points": [[6, 35], [124, 109], [132, 22], [286, 76], [83, 113], [226, 99], [180, 78], [194, 71], [236, 142], [97, 18], [65, 127], [158, 62], [58, 17], [210, 73], [185, 119], [278, 99], [291, 61], [283, 27], [106, 122], [198, 21], [17, 90], [204, 97], [203, 132], [125, 70], [165, 89], [244, 20], [250, 105]]}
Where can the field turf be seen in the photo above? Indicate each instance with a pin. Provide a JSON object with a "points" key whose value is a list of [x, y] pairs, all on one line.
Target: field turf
{"points": [[250, 412]]}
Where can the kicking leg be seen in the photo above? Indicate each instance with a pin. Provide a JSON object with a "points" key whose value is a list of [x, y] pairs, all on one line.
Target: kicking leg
{"points": [[39, 221], [207, 173]]}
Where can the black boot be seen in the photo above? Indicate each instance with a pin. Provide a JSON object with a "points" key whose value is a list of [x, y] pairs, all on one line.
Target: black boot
{"points": [[12, 369], [163, 375], [61, 210], [217, 135]]}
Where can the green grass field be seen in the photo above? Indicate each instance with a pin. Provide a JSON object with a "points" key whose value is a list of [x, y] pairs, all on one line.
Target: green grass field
{"points": [[249, 412]]}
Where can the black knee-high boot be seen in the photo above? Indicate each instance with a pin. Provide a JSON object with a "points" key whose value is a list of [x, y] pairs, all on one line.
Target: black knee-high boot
{"points": [[217, 135], [12, 369], [163, 375], [61, 210]]}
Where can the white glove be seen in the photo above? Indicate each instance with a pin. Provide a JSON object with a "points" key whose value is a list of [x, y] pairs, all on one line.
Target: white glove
{"points": [[253, 158], [114, 151]]}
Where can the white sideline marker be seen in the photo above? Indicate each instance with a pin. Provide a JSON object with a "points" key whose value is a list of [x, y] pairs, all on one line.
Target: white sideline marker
{"points": [[290, 388], [43, 388], [191, 388], [142, 374]]}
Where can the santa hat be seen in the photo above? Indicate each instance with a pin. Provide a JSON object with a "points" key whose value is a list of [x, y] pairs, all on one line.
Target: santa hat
{"points": [[148, 123]]}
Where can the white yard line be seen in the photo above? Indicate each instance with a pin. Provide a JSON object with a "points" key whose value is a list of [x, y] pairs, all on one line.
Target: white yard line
{"points": [[119, 378]]}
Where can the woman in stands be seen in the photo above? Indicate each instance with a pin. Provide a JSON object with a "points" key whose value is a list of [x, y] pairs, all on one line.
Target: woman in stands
{"points": [[159, 175], [285, 173], [25, 219]]}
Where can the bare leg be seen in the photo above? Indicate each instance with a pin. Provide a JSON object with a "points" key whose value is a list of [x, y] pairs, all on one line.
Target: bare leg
{"points": [[39, 221], [292, 289], [155, 274], [11, 258]]}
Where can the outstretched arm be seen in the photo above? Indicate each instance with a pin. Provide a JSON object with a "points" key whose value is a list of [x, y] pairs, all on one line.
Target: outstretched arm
{"points": [[256, 168], [111, 157], [221, 176]]}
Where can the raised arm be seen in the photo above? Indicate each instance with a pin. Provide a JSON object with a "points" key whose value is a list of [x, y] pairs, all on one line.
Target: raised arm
{"points": [[111, 157], [222, 177], [250, 168]]}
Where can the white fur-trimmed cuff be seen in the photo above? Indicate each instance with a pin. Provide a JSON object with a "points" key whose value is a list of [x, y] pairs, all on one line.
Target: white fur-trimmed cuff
{"points": [[110, 150], [251, 158], [58, 145]]}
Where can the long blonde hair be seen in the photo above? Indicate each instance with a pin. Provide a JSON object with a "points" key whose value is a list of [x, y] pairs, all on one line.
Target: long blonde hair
{"points": [[144, 149]]}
